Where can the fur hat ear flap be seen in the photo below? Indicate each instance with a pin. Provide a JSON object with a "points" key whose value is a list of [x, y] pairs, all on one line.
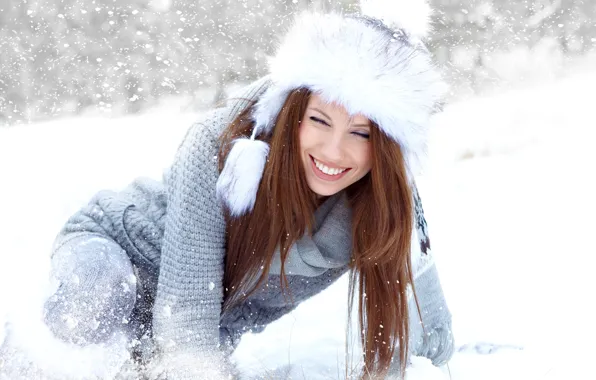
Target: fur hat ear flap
{"points": [[239, 180]]}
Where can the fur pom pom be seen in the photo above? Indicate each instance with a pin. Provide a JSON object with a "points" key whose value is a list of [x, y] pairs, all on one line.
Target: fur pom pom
{"points": [[412, 16], [239, 180]]}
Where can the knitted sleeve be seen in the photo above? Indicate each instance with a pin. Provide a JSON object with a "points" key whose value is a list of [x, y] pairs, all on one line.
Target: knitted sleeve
{"points": [[431, 330], [189, 298], [436, 341], [189, 295], [130, 219]]}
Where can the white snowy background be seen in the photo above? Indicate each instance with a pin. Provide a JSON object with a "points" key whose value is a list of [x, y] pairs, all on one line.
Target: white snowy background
{"points": [[510, 199]]}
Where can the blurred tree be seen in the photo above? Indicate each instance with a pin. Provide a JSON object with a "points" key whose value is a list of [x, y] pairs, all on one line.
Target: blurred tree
{"points": [[63, 56], [484, 27]]}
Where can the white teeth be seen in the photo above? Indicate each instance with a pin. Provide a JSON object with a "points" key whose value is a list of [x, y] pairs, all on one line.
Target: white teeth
{"points": [[327, 170]]}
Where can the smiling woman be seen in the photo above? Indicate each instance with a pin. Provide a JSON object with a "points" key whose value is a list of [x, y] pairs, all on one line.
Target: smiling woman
{"points": [[305, 176], [321, 154], [335, 147]]}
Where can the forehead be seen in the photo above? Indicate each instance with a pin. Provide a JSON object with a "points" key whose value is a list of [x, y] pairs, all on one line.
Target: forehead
{"points": [[334, 110]]}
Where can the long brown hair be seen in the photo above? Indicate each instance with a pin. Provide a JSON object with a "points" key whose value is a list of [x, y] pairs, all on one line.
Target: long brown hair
{"points": [[382, 222]]}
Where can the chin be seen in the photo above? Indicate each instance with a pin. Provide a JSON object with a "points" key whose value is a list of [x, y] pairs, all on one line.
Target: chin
{"points": [[324, 191]]}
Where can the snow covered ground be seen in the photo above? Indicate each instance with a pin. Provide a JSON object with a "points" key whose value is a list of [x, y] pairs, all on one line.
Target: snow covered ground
{"points": [[509, 195]]}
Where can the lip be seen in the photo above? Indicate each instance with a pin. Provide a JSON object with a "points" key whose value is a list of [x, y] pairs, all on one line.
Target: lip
{"points": [[323, 176]]}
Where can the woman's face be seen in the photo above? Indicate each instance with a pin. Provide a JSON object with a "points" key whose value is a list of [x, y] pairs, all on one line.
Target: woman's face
{"points": [[334, 146]]}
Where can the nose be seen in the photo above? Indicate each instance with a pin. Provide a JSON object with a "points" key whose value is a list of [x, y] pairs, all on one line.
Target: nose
{"points": [[334, 149]]}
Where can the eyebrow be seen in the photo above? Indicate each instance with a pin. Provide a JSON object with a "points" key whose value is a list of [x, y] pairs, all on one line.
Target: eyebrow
{"points": [[327, 116], [321, 112]]}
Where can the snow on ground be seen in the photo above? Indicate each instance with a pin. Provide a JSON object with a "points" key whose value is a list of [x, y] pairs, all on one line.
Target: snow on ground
{"points": [[509, 196]]}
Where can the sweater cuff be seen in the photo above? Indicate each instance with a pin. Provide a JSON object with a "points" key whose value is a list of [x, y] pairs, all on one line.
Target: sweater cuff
{"points": [[189, 366]]}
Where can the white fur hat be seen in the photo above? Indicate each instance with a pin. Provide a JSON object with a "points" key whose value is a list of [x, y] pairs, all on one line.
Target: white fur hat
{"points": [[374, 64]]}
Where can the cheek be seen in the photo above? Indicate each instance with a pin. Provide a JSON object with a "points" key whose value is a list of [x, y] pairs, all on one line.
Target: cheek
{"points": [[306, 136], [364, 157], [302, 136]]}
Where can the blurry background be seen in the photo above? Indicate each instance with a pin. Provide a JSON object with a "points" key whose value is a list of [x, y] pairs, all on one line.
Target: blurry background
{"points": [[65, 57]]}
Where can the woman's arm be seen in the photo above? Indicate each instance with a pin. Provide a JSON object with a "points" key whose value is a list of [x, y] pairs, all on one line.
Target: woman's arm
{"points": [[186, 243], [190, 292], [179, 231], [131, 219], [189, 299], [436, 341]]}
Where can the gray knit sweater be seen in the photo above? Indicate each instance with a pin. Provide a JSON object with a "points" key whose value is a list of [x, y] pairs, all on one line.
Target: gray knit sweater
{"points": [[175, 231]]}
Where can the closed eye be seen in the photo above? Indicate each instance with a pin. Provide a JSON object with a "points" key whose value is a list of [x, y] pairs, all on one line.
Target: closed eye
{"points": [[319, 121], [362, 134]]}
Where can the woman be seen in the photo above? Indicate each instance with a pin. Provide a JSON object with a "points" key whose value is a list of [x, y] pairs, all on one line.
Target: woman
{"points": [[307, 175]]}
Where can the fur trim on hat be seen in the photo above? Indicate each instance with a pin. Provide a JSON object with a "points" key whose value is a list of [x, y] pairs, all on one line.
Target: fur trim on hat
{"points": [[359, 64], [413, 17]]}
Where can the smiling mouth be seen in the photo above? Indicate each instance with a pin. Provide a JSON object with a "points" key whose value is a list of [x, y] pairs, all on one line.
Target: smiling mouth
{"points": [[324, 172]]}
